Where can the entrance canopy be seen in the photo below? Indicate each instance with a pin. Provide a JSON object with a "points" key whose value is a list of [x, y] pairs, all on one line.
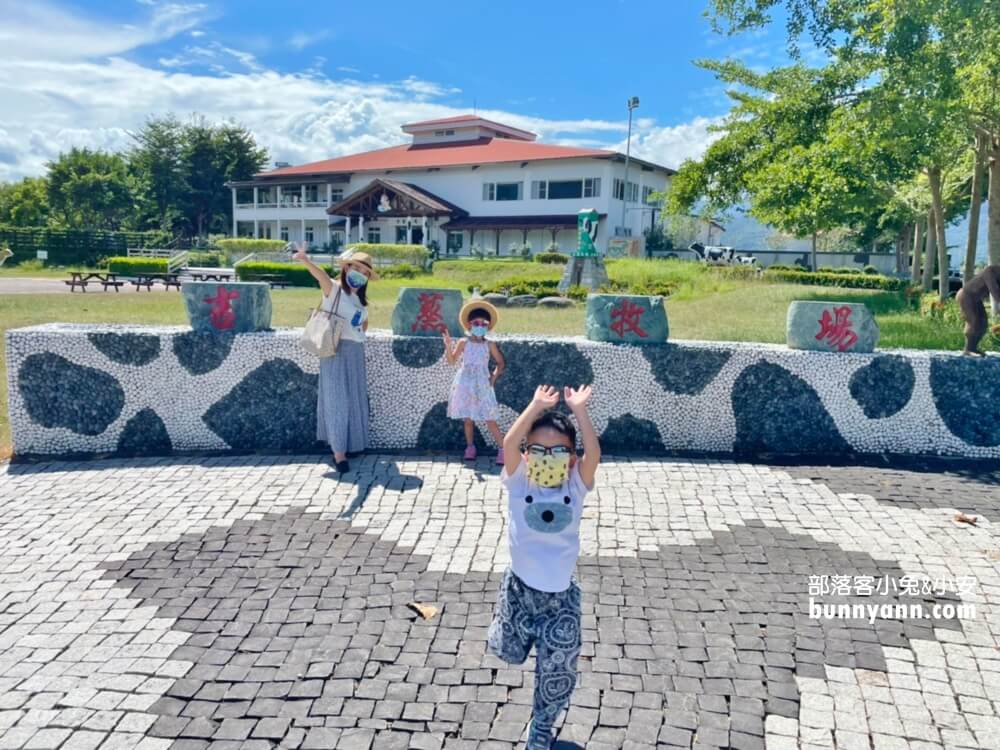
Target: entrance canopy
{"points": [[389, 198]]}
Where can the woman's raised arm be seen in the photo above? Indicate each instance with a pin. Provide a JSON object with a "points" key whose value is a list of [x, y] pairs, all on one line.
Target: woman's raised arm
{"points": [[325, 282]]}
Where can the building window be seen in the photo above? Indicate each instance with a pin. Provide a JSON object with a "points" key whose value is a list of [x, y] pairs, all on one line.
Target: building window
{"points": [[455, 242], [309, 234], [592, 187], [244, 196], [562, 189], [291, 196], [400, 235], [444, 132], [374, 235], [284, 233], [618, 190], [336, 195], [312, 193], [539, 189], [266, 197], [647, 194], [502, 191]]}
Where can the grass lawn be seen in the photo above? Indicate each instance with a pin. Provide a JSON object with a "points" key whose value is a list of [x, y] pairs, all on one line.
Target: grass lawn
{"points": [[705, 307]]}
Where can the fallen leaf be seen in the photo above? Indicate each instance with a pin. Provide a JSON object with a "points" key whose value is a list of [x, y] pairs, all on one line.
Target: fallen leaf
{"points": [[427, 611], [962, 518]]}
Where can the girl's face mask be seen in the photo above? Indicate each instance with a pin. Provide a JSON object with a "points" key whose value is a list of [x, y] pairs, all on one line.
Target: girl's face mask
{"points": [[479, 330], [548, 467], [356, 279]]}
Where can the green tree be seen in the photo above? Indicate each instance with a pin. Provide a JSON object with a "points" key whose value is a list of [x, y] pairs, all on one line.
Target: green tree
{"points": [[25, 203], [89, 189], [157, 169]]}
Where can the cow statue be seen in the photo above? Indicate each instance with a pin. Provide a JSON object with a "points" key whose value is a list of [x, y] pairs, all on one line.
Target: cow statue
{"points": [[4, 254], [722, 255]]}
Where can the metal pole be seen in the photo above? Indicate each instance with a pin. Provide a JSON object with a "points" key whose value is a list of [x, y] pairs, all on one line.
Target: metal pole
{"points": [[632, 103]]}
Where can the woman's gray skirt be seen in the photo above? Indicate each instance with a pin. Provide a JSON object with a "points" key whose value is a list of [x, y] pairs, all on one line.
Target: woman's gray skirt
{"points": [[342, 408]]}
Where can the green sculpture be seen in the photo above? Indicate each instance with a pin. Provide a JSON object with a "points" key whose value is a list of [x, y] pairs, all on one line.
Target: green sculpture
{"points": [[586, 227]]}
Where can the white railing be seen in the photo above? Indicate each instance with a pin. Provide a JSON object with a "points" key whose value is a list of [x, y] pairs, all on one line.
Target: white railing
{"points": [[149, 252], [177, 261]]}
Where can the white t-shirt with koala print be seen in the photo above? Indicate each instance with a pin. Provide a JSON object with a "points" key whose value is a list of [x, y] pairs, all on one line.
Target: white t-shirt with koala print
{"points": [[544, 528]]}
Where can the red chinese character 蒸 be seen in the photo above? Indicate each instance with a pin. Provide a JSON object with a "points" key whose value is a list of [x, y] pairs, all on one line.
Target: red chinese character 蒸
{"points": [[429, 315], [836, 328], [222, 316], [626, 317]]}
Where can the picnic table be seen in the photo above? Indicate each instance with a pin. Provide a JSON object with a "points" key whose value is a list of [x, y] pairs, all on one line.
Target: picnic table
{"points": [[148, 279], [82, 278], [212, 276], [274, 279]]}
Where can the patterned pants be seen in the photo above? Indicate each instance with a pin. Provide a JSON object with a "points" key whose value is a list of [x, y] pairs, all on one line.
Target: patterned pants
{"points": [[551, 622]]}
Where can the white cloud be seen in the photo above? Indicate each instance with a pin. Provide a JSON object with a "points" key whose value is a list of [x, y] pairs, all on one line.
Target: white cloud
{"points": [[90, 95], [304, 39]]}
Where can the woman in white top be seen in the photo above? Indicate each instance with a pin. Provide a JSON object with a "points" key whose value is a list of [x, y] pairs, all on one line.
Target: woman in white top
{"points": [[342, 405]]}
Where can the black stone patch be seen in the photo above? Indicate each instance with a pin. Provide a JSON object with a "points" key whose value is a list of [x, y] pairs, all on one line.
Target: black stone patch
{"points": [[438, 432], [967, 395], [533, 363], [306, 618], [629, 434], [145, 435], [883, 387], [778, 412], [199, 353], [60, 393], [417, 351], [272, 407], [684, 370], [135, 349]]}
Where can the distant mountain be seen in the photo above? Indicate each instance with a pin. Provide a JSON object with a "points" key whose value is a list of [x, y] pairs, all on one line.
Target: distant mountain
{"points": [[746, 233]]}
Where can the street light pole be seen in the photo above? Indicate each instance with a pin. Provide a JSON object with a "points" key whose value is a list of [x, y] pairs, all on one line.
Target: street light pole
{"points": [[632, 103]]}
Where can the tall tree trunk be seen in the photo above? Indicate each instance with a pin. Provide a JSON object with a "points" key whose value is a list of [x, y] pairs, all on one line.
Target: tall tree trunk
{"points": [[993, 223], [937, 206], [929, 252], [975, 206], [918, 246], [812, 260]]}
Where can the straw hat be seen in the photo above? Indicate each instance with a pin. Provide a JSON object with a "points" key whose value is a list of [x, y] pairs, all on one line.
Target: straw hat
{"points": [[363, 262], [474, 304]]}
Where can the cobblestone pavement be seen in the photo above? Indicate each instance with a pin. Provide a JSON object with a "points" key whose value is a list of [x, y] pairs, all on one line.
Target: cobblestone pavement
{"points": [[261, 602]]}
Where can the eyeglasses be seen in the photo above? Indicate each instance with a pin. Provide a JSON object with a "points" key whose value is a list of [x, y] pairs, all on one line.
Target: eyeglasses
{"points": [[536, 449]]}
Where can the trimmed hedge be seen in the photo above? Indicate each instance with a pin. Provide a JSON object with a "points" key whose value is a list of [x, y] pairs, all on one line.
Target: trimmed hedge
{"points": [[206, 260], [552, 257], [295, 274], [132, 266], [74, 247], [245, 245], [400, 271], [386, 254], [845, 280]]}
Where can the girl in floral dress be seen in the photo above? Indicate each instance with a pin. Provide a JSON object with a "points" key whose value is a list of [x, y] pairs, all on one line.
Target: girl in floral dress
{"points": [[472, 398]]}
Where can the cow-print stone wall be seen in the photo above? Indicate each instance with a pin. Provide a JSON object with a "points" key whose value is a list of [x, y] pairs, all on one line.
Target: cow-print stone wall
{"points": [[87, 390]]}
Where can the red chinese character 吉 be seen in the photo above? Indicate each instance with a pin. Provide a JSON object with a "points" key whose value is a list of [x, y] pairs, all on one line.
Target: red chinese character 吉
{"points": [[836, 328], [429, 315], [626, 317], [222, 316]]}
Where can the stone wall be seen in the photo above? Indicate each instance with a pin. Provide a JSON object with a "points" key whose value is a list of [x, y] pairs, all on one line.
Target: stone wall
{"points": [[140, 390]]}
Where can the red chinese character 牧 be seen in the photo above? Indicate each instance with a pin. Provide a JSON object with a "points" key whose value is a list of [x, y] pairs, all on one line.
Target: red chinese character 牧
{"points": [[429, 314], [625, 319], [836, 328], [222, 315]]}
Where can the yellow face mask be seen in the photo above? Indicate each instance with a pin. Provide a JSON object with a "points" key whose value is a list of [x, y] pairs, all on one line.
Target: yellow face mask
{"points": [[548, 470]]}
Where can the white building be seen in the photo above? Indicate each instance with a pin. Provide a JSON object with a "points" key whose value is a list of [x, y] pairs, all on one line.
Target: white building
{"points": [[462, 182]]}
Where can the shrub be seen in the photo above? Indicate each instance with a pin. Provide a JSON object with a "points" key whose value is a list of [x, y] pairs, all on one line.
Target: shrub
{"points": [[400, 271], [385, 254], [32, 264], [245, 245], [295, 274], [206, 260], [871, 270], [67, 247], [551, 257], [133, 266], [520, 285], [853, 281]]}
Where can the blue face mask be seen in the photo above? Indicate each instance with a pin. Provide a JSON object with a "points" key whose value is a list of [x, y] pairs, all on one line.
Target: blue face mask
{"points": [[356, 279], [479, 331]]}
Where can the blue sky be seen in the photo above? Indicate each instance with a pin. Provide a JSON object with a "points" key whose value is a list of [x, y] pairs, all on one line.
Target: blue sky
{"points": [[324, 78]]}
